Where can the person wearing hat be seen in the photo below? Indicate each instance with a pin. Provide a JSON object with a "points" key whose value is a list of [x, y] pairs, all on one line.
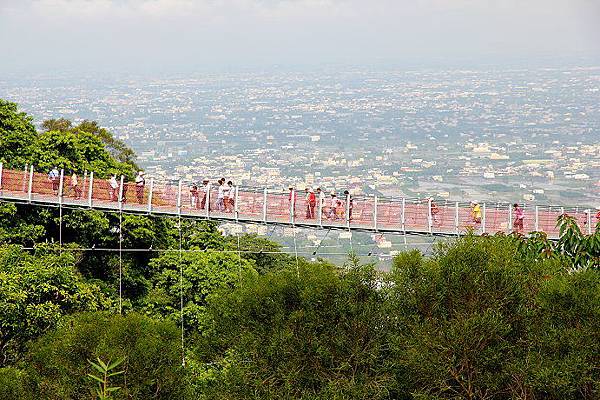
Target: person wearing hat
{"points": [[140, 183], [476, 212]]}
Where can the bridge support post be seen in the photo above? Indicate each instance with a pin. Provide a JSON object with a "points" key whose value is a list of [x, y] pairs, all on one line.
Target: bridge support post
{"points": [[207, 203], [24, 185], [347, 211], [403, 215], [483, 212], [292, 206], [320, 211], [456, 220], [121, 193], [537, 218], [429, 217], [510, 218], [85, 181], [150, 193], [179, 183], [265, 205], [236, 209], [91, 189], [375, 201], [61, 185], [30, 185]]}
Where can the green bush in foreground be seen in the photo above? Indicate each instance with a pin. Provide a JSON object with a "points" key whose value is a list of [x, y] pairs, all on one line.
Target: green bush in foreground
{"points": [[57, 364]]}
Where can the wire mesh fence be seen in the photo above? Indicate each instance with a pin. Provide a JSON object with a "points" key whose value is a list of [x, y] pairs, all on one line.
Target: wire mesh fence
{"points": [[288, 206]]}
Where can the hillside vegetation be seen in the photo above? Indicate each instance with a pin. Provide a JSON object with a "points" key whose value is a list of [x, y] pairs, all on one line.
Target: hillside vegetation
{"points": [[496, 317]]}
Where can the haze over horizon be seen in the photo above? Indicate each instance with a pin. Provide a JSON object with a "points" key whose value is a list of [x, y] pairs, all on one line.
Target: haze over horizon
{"points": [[185, 35]]}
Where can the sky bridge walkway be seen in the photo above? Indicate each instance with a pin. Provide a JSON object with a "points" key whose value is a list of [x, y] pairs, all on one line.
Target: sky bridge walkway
{"points": [[436, 217]]}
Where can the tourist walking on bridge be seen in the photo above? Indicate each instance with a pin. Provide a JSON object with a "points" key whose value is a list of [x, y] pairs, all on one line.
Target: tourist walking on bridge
{"points": [[53, 177], [75, 186], [519, 216], [311, 203], [434, 209], [205, 189], [333, 203], [476, 212], [194, 198], [140, 183], [113, 187], [221, 195], [229, 199]]}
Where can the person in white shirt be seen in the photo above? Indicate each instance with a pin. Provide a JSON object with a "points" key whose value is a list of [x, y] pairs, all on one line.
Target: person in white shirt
{"points": [[229, 197], [53, 176], [112, 188], [226, 193], [75, 186], [140, 182]]}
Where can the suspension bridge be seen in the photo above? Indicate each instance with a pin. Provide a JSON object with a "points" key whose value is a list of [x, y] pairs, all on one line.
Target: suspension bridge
{"points": [[288, 208]]}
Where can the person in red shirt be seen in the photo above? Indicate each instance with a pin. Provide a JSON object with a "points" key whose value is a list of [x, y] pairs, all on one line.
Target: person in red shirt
{"points": [[311, 203]]}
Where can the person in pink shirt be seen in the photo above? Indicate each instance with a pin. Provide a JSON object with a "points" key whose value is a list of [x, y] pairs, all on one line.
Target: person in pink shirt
{"points": [[519, 215]]}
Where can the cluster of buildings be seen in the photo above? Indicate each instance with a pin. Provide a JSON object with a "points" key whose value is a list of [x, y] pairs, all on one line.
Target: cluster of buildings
{"points": [[528, 135]]}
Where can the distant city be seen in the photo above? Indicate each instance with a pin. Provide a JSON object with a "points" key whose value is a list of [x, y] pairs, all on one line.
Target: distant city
{"points": [[501, 135]]}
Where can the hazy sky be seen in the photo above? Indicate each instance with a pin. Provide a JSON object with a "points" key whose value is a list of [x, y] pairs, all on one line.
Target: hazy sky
{"points": [[234, 34]]}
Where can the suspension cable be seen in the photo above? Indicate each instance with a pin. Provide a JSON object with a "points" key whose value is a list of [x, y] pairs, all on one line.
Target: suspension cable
{"points": [[181, 291]]}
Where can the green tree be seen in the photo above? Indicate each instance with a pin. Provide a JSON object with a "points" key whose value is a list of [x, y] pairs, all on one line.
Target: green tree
{"points": [[17, 135], [315, 332], [60, 125], [266, 254], [573, 248], [117, 148], [16, 230], [36, 291], [76, 151], [563, 359], [57, 363], [204, 272]]}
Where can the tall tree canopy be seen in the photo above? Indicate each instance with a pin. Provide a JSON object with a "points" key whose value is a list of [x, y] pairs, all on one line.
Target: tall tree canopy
{"points": [[17, 135]]}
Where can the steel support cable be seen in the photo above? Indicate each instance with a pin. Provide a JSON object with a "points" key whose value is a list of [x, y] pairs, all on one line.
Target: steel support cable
{"points": [[320, 242], [189, 251], [181, 291], [120, 263], [296, 254]]}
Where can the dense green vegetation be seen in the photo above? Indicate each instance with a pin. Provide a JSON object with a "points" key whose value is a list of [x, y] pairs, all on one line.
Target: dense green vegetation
{"points": [[496, 317]]}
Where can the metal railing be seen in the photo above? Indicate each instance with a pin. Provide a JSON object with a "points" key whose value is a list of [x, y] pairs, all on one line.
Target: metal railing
{"points": [[248, 204]]}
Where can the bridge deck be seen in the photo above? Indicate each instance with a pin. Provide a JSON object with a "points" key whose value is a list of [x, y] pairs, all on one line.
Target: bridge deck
{"points": [[376, 214]]}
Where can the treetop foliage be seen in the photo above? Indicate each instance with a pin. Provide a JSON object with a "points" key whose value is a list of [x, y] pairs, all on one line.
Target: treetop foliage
{"points": [[86, 146]]}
